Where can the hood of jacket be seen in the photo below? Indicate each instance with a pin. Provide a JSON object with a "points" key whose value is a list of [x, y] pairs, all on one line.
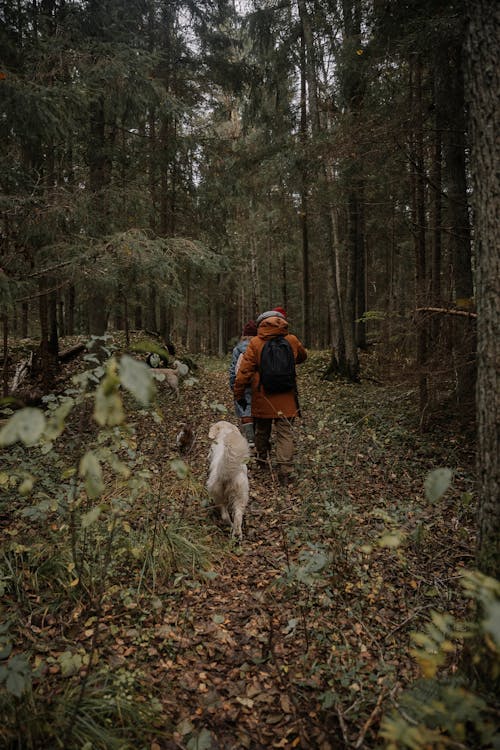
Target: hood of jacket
{"points": [[242, 345], [272, 327]]}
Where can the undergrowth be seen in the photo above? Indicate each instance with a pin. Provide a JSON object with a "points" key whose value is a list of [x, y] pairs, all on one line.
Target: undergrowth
{"points": [[87, 536], [130, 621]]}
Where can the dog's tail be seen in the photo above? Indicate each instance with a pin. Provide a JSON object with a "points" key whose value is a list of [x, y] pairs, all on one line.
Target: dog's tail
{"points": [[237, 453]]}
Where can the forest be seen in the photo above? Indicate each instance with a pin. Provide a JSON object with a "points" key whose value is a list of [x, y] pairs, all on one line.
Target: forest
{"points": [[169, 170]]}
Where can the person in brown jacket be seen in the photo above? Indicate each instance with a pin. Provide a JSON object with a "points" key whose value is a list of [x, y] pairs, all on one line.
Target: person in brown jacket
{"points": [[268, 409]]}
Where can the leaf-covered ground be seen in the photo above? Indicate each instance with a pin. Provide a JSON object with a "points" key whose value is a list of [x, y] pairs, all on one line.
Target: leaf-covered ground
{"points": [[298, 637]]}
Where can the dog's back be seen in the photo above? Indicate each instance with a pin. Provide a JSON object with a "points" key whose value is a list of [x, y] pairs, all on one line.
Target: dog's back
{"points": [[228, 453], [228, 482]]}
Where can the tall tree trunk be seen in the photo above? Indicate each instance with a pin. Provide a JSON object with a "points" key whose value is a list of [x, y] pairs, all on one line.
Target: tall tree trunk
{"points": [[221, 349], [25, 320], [53, 328], [353, 93], [419, 228], [254, 275], [338, 362], [350, 296], [306, 284], [284, 284], [126, 320], [61, 322], [70, 311], [361, 292], [151, 320], [354, 89], [153, 169], [464, 342], [163, 329], [455, 159], [483, 85], [100, 163], [436, 218], [5, 367], [44, 364], [186, 329], [138, 323]]}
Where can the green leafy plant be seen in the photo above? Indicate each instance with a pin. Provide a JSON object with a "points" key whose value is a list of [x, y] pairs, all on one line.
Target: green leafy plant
{"points": [[442, 710], [83, 536]]}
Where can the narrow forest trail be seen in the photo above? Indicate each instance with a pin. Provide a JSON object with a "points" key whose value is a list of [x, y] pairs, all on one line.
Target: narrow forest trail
{"points": [[299, 636]]}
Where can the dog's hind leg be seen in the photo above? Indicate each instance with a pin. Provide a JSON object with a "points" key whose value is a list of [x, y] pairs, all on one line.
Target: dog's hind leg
{"points": [[224, 513], [237, 521]]}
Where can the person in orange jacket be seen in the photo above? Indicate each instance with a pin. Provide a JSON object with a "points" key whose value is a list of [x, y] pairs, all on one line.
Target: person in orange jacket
{"points": [[278, 409]]}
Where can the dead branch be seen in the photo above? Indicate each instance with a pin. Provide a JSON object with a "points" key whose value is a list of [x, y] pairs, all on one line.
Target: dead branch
{"points": [[68, 354], [42, 293], [408, 619], [343, 725], [369, 720], [447, 311], [46, 271]]}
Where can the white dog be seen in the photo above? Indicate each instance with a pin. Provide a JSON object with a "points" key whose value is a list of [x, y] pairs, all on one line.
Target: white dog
{"points": [[227, 482]]}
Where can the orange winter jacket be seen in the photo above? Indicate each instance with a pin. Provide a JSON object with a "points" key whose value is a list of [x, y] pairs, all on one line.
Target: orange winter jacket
{"points": [[267, 405]]}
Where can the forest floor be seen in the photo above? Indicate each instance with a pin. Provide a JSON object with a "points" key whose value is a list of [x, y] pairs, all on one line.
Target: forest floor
{"points": [[300, 635]]}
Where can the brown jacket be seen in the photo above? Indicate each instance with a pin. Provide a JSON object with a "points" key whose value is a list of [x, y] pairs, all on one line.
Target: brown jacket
{"points": [[264, 404]]}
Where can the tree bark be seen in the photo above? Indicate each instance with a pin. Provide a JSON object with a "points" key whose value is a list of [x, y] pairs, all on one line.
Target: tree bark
{"points": [[306, 284], [100, 164], [338, 361], [151, 320], [5, 367], [483, 81], [419, 229], [45, 360], [70, 307], [53, 326], [138, 322], [353, 88], [351, 285], [464, 342], [24, 320]]}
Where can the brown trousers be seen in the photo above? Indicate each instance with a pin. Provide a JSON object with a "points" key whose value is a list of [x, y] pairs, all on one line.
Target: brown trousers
{"points": [[285, 446]]}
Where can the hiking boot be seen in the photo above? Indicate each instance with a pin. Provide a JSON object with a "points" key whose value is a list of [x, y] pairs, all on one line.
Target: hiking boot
{"points": [[262, 464], [284, 478], [247, 431]]}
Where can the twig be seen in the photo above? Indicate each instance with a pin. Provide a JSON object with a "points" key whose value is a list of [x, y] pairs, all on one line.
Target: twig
{"points": [[447, 311], [45, 271], [43, 293], [343, 725], [369, 720], [373, 640], [408, 619]]}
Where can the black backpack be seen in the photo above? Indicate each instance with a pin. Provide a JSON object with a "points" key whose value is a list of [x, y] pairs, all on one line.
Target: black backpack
{"points": [[277, 366]]}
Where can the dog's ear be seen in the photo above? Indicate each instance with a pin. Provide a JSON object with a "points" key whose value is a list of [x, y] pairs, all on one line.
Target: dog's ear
{"points": [[214, 431]]}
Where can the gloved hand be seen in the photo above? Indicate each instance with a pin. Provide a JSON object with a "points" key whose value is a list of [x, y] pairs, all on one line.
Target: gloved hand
{"points": [[242, 403]]}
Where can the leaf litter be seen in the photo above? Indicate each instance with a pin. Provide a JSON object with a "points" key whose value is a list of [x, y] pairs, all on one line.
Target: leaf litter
{"points": [[298, 637]]}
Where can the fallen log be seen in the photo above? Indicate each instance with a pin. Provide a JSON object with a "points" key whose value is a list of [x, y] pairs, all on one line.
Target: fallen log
{"points": [[68, 354]]}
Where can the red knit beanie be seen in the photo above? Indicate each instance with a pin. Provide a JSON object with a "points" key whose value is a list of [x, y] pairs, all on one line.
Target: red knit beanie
{"points": [[250, 328], [280, 310]]}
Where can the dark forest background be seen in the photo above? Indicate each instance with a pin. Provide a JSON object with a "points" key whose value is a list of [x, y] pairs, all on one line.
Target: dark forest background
{"points": [[181, 166]]}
